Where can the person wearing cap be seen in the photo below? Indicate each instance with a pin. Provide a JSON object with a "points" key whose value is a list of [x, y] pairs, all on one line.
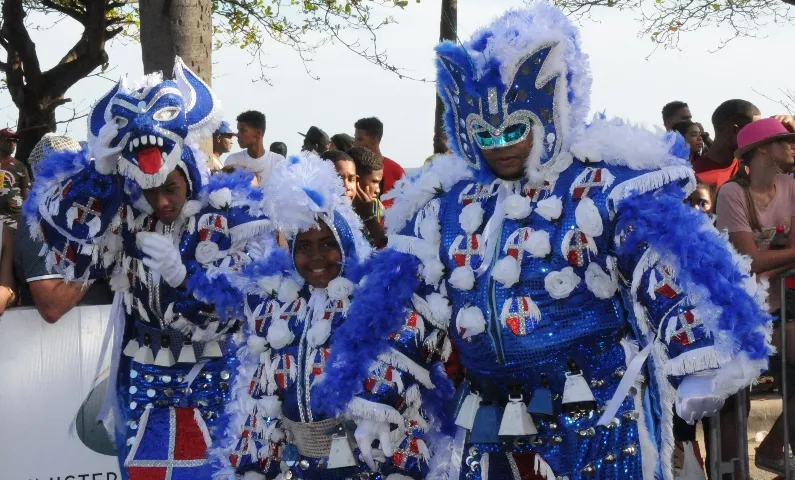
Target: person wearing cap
{"points": [[342, 142], [222, 144], [15, 179], [315, 140], [757, 209], [250, 134]]}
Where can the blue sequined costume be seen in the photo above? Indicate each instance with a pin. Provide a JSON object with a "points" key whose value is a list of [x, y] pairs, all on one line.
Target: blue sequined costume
{"points": [[278, 426], [587, 271], [173, 363]]}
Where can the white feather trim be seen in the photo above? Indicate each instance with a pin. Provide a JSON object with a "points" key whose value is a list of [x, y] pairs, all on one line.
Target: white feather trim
{"points": [[412, 193], [359, 408], [440, 308], [471, 217], [463, 278], [470, 322], [430, 230], [617, 142], [506, 271], [550, 208], [588, 218], [403, 363], [651, 181]]}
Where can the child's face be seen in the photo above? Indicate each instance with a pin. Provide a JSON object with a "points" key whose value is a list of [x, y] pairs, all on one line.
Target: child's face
{"points": [[371, 183], [317, 256], [701, 199], [347, 172]]}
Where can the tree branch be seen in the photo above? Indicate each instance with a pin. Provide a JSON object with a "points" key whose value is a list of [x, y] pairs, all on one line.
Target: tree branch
{"points": [[73, 13], [16, 34]]}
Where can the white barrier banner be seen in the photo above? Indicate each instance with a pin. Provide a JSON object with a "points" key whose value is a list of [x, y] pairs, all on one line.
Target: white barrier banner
{"points": [[46, 383]]}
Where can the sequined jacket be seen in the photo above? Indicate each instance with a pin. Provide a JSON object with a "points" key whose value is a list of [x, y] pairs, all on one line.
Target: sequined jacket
{"points": [[89, 223], [279, 422], [576, 273]]}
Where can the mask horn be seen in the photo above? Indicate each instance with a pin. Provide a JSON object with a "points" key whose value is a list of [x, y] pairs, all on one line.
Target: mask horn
{"points": [[202, 109], [100, 114]]}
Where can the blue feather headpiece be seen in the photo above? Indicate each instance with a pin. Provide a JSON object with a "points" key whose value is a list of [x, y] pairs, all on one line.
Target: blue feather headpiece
{"points": [[160, 124], [523, 74]]}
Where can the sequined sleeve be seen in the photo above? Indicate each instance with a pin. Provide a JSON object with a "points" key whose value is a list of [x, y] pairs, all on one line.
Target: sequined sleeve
{"points": [[78, 213], [690, 292]]}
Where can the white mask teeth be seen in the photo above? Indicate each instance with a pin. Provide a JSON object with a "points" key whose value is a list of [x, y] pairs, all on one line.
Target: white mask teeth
{"points": [[135, 142], [144, 140], [152, 140], [159, 142]]}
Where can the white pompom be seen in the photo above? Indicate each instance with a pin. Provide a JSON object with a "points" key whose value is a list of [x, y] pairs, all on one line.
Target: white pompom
{"points": [[288, 290], [550, 208], [586, 152], [599, 282], [440, 308], [506, 271], [517, 207], [339, 289], [318, 333], [535, 176], [279, 334], [463, 278], [561, 284], [221, 198], [256, 344], [270, 285], [470, 322], [430, 230], [589, 221], [432, 271], [191, 208], [471, 217], [537, 244]]}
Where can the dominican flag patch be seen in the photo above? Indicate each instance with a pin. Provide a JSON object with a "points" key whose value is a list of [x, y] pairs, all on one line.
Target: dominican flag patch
{"points": [[170, 445]]}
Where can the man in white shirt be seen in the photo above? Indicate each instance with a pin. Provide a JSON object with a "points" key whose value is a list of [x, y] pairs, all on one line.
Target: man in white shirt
{"points": [[222, 144], [250, 134]]}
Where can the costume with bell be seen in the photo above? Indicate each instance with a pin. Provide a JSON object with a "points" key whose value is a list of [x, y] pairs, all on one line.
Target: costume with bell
{"points": [[175, 308], [278, 424], [587, 301]]}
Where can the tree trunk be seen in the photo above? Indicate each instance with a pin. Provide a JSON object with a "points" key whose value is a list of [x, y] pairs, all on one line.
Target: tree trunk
{"points": [[448, 29], [177, 27], [32, 124]]}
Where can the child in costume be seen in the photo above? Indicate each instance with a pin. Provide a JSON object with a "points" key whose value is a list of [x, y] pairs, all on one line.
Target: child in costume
{"points": [[587, 300], [136, 207], [299, 305]]}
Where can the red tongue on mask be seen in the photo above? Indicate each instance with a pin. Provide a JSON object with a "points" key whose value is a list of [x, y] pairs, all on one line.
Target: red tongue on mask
{"points": [[149, 160]]}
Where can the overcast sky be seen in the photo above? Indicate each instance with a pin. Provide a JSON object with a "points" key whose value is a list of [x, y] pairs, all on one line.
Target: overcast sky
{"points": [[625, 83]]}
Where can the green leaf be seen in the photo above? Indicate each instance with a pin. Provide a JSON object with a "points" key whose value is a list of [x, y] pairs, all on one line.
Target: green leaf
{"points": [[715, 7]]}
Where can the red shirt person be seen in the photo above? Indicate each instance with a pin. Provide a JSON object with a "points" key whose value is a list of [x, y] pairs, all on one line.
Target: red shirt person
{"points": [[718, 165], [369, 132]]}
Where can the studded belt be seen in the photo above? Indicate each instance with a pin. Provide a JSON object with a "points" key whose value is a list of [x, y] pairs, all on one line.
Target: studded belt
{"points": [[313, 439]]}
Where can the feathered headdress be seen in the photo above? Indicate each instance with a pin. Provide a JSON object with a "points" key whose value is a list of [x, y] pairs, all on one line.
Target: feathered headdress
{"points": [[306, 190], [523, 73]]}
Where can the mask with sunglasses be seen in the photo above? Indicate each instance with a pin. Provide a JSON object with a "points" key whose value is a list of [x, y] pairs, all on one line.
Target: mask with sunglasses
{"points": [[497, 95]]}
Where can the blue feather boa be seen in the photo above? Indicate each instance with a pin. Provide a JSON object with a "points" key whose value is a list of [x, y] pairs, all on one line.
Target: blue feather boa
{"points": [[379, 308], [661, 220], [52, 171]]}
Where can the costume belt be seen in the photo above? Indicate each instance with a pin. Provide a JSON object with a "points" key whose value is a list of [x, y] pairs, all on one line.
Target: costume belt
{"points": [[314, 439]]}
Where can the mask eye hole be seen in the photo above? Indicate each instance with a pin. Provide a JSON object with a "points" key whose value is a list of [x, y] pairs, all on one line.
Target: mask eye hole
{"points": [[121, 122], [166, 114]]}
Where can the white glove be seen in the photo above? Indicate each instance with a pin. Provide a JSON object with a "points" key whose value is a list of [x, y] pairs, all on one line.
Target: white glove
{"points": [[366, 432], [106, 158], [695, 398], [163, 257]]}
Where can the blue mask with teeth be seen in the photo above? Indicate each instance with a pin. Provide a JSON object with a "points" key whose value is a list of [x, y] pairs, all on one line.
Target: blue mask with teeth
{"points": [[158, 123], [523, 75]]}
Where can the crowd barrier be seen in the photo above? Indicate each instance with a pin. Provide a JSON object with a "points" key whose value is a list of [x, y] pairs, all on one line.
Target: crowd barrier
{"points": [[48, 382]]}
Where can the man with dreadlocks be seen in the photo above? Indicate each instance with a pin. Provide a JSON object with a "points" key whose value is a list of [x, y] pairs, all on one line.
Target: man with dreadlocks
{"points": [[586, 302]]}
